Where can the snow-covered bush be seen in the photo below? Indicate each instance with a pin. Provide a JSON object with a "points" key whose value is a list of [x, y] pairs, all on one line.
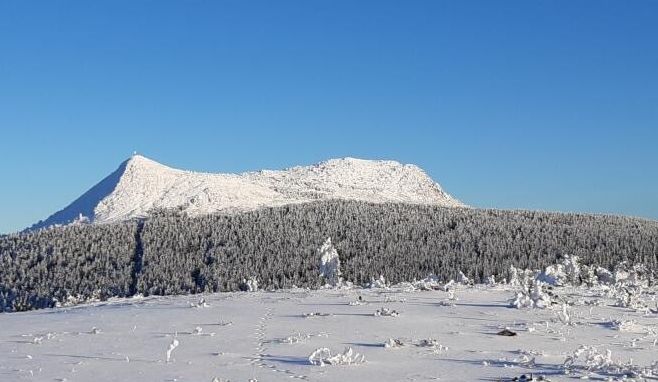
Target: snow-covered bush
{"points": [[514, 279], [621, 274], [385, 312], [564, 315], [571, 266], [249, 285], [565, 273], [301, 337], [323, 356], [628, 296], [295, 338], [433, 344], [624, 280], [522, 300], [588, 275], [393, 343], [531, 296], [465, 280], [520, 277], [72, 300], [589, 359], [330, 264], [630, 284], [636, 275], [604, 276], [427, 342], [378, 283], [431, 282], [199, 304], [450, 289], [625, 325]]}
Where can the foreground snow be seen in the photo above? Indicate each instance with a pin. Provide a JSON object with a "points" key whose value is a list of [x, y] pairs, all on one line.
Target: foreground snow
{"points": [[444, 335]]}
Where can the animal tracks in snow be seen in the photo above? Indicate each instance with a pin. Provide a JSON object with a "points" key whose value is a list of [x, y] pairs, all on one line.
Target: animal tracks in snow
{"points": [[260, 358]]}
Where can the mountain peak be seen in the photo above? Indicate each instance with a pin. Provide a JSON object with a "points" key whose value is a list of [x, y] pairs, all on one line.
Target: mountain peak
{"points": [[141, 184], [140, 161]]}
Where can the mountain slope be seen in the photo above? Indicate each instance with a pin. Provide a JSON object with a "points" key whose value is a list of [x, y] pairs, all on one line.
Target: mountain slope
{"points": [[85, 204], [140, 185]]}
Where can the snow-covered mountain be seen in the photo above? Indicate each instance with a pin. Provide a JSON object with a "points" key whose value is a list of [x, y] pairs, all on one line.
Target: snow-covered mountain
{"points": [[141, 184]]}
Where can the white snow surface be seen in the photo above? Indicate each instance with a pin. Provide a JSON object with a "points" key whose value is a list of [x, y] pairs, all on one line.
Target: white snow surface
{"points": [[141, 184], [246, 336]]}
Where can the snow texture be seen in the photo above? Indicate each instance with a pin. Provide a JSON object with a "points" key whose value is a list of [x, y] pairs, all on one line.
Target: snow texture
{"points": [[141, 185], [162, 339]]}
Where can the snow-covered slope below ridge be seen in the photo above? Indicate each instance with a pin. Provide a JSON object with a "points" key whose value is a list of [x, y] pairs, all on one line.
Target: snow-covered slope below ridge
{"points": [[141, 184]]}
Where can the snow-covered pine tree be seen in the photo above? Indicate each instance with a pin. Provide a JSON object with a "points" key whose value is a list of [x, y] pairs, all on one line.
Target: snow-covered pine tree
{"points": [[330, 264]]}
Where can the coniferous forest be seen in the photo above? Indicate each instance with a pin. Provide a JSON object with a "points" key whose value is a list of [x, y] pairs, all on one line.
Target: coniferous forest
{"points": [[170, 253]]}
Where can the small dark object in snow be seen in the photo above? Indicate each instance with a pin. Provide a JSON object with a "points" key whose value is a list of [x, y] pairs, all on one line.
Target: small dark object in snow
{"points": [[506, 333], [525, 378]]}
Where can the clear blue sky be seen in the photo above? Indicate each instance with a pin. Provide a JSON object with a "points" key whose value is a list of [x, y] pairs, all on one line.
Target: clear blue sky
{"points": [[548, 105]]}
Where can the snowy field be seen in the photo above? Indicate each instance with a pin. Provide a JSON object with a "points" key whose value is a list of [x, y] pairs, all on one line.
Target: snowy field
{"points": [[269, 336]]}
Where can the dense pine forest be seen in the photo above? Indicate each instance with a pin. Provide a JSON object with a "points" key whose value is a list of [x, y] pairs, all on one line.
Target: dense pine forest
{"points": [[39, 268], [170, 253]]}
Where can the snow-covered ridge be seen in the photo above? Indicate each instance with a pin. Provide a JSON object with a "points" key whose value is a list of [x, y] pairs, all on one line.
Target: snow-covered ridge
{"points": [[140, 185]]}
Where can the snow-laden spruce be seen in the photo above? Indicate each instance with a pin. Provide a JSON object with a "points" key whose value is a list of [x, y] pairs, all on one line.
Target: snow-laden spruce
{"points": [[565, 273], [330, 264]]}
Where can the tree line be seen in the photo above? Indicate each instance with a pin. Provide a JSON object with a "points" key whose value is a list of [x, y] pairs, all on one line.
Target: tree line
{"points": [[171, 253]]}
